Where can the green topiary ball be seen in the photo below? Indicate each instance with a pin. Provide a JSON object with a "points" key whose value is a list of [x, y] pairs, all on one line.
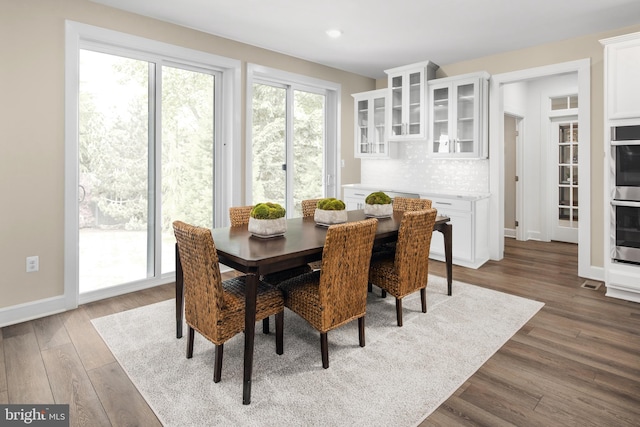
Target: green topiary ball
{"points": [[331, 204], [378, 198], [267, 210]]}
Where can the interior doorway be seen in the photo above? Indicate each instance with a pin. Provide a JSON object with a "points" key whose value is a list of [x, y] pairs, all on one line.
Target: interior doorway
{"points": [[537, 172]]}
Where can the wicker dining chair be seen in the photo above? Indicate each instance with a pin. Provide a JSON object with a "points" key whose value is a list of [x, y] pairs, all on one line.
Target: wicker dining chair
{"points": [[337, 293], [239, 216], [309, 207], [309, 210], [407, 269], [214, 308], [402, 204], [410, 204]]}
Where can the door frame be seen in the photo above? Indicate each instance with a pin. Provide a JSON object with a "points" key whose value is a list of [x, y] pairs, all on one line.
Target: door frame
{"points": [[496, 159]]}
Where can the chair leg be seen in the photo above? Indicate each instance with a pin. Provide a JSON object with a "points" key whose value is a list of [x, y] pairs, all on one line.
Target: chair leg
{"points": [[399, 310], [324, 348], [265, 325], [383, 293], [423, 299], [361, 330], [190, 336], [279, 332], [369, 287], [217, 366]]}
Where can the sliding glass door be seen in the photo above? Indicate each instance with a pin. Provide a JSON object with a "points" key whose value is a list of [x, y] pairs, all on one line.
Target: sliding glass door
{"points": [[288, 145], [145, 158]]}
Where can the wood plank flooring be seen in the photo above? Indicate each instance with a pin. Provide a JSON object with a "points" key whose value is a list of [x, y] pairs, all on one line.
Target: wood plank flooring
{"points": [[576, 362]]}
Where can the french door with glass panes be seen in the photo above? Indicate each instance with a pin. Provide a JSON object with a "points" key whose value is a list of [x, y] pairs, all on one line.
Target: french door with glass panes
{"points": [[565, 190], [287, 145], [145, 158]]}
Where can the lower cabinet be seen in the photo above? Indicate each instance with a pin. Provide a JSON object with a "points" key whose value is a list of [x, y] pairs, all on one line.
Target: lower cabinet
{"points": [[469, 219], [470, 222]]}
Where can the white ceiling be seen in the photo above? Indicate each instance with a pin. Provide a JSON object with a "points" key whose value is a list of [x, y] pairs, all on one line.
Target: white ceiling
{"points": [[382, 34]]}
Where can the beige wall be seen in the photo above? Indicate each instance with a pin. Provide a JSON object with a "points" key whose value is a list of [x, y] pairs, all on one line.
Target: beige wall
{"points": [[32, 126]]}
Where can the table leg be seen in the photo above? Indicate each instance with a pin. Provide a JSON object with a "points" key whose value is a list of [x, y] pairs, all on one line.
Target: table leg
{"points": [[447, 231], [179, 295], [251, 291]]}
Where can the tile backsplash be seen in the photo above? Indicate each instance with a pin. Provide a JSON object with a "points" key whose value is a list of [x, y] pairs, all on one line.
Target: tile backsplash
{"points": [[413, 171]]}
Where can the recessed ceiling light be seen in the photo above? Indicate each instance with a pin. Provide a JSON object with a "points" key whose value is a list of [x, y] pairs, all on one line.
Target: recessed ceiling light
{"points": [[334, 33]]}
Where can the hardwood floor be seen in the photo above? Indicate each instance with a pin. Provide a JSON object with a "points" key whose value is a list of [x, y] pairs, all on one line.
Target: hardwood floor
{"points": [[576, 362]]}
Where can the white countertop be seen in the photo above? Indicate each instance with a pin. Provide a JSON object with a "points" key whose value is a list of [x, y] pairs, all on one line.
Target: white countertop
{"points": [[422, 194]]}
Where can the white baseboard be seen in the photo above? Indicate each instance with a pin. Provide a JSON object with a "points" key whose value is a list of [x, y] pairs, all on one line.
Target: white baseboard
{"points": [[510, 232], [32, 310]]}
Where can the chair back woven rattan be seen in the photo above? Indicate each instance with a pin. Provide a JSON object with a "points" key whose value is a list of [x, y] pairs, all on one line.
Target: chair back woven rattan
{"points": [[309, 207], [212, 307], [336, 294], [410, 204], [407, 270], [239, 215]]}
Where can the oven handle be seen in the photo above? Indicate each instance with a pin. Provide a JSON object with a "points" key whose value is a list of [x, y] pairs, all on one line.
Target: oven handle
{"points": [[630, 142], [626, 203]]}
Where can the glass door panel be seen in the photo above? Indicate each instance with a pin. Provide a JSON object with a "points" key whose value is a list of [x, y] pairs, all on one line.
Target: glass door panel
{"points": [[363, 126], [308, 149], [396, 106], [566, 221], [440, 120], [465, 118], [379, 130], [187, 154], [415, 106], [269, 139], [114, 216]]}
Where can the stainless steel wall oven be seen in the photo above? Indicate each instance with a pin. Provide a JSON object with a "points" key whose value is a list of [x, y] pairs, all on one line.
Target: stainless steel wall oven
{"points": [[625, 202]]}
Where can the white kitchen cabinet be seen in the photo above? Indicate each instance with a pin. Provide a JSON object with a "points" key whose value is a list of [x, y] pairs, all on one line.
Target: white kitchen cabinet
{"points": [[469, 219], [458, 114], [370, 124], [622, 100], [406, 113], [622, 71]]}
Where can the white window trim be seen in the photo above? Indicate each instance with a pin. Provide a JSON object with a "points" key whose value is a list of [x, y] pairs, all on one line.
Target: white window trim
{"points": [[332, 90], [227, 150]]}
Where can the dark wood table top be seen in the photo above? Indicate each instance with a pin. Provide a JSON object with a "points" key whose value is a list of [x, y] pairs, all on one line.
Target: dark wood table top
{"points": [[303, 242]]}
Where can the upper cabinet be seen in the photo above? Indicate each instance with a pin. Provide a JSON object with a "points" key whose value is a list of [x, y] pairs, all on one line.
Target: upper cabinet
{"points": [[406, 114], [370, 129], [458, 112], [622, 71]]}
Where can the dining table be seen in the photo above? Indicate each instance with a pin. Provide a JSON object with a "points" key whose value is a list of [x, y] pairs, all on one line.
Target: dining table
{"points": [[301, 244]]}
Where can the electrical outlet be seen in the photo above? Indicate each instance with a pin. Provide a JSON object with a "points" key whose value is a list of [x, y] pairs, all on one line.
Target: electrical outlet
{"points": [[33, 264]]}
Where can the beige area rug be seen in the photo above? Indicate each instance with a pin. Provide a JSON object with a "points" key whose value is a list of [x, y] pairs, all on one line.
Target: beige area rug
{"points": [[398, 379]]}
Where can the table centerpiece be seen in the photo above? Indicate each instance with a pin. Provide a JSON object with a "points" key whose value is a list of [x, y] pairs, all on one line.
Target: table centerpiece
{"points": [[267, 220], [378, 204], [330, 211]]}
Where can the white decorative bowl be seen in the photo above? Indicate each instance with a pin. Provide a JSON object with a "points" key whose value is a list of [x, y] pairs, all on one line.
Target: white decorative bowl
{"points": [[378, 211], [324, 217], [267, 227]]}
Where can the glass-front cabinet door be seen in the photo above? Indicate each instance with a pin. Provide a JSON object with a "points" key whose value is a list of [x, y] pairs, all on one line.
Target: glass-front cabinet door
{"points": [[406, 113], [370, 124], [458, 116]]}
